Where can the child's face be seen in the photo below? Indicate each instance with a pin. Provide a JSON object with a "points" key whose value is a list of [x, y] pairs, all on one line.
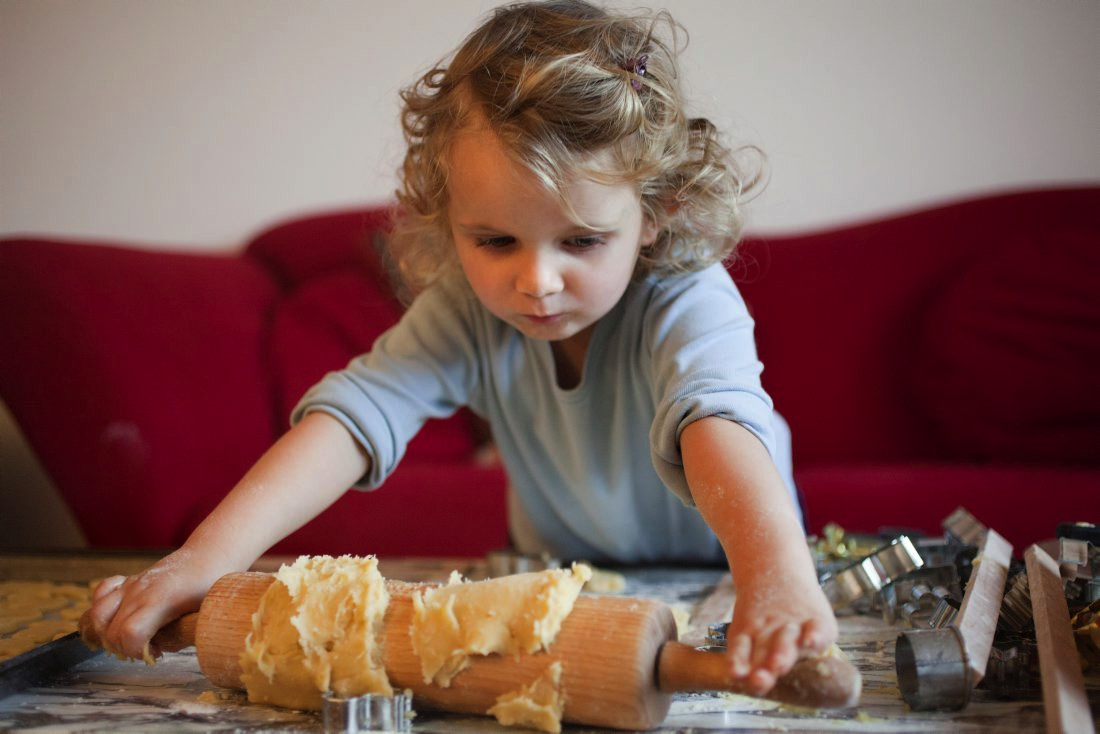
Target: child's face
{"points": [[528, 262]]}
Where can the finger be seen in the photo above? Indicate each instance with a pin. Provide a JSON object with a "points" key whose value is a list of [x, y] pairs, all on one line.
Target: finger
{"points": [[88, 633], [739, 649], [106, 586], [130, 631], [759, 682], [783, 650], [814, 638], [133, 629], [95, 621]]}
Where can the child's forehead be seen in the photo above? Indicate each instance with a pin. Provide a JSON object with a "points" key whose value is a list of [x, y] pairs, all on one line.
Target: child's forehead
{"points": [[478, 149], [479, 152]]}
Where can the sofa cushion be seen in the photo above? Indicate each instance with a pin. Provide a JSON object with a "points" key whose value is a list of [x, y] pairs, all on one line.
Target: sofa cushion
{"points": [[1008, 362], [331, 318]]}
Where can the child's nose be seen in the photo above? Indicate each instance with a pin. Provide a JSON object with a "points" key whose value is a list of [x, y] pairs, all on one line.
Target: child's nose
{"points": [[539, 276]]}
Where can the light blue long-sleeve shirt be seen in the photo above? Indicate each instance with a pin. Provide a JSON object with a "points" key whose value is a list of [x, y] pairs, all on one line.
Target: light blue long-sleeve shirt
{"points": [[596, 469]]}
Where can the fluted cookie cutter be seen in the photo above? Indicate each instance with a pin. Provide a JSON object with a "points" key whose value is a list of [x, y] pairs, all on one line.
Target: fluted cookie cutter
{"points": [[1015, 612], [367, 713], [872, 573]]}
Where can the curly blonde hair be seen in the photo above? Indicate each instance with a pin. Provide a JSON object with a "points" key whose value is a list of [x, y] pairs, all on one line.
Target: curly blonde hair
{"points": [[559, 83]]}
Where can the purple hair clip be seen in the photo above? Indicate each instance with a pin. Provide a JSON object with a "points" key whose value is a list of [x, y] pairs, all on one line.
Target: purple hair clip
{"points": [[636, 66]]}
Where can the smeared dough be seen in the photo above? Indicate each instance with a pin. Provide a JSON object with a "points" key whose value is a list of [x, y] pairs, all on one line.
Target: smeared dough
{"points": [[510, 615], [318, 628], [14, 620], [538, 705]]}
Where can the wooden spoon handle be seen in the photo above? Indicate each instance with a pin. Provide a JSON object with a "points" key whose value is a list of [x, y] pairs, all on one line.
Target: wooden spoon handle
{"points": [[819, 682]]}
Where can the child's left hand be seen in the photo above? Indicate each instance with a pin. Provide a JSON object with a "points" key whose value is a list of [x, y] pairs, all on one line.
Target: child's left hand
{"points": [[775, 624]]}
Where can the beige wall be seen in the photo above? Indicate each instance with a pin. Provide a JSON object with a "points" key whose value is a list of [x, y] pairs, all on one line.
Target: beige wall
{"points": [[195, 122]]}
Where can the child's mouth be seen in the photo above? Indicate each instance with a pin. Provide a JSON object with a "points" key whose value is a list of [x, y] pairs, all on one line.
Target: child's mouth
{"points": [[542, 320]]}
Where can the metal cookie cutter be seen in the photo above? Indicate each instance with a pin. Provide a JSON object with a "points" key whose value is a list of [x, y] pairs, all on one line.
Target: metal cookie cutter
{"points": [[933, 669], [369, 713], [865, 577], [964, 528], [947, 609], [716, 637], [915, 596], [926, 607], [1009, 673], [1015, 612]]}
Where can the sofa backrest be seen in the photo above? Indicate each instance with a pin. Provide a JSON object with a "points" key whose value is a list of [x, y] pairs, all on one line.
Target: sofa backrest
{"points": [[133, 372], [961, 333], [967, 332]]}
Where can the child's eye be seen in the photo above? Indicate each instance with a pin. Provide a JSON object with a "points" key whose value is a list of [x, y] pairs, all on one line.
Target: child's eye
{"points": [[587, 241], [494, 242]]}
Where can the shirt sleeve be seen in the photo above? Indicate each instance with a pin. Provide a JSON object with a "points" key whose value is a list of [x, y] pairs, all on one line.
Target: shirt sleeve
{"points": [[703, 364], [423, 367]]}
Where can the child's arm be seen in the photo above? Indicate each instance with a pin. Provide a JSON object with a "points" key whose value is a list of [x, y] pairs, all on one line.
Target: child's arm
{"points": [[781, 612], [301, 475]]}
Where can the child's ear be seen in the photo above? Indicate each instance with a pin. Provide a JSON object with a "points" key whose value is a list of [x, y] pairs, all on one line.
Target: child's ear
{"points": [[649, 230]]}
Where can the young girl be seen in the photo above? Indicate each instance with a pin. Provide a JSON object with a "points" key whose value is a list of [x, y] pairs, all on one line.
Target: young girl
{"points": [[562, 228]]}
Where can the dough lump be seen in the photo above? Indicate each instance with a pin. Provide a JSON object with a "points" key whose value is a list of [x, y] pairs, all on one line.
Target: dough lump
{"points": [[510, 615], [538, 705], [318, 628]]}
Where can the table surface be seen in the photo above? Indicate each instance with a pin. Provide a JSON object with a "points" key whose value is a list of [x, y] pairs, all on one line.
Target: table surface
{"points": [[107, 694]]}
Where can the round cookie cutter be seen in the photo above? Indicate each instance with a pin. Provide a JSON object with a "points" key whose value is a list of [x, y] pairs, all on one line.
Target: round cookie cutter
{"points": [[368, 713], [933, 669]]}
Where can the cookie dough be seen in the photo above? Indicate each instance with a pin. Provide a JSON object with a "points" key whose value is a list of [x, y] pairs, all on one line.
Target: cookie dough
{"points": [[35, 612], [318, 628], [538, 705], [606, 582], [510, 615]]}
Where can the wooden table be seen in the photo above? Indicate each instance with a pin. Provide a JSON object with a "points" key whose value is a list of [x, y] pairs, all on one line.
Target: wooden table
{"points": [[106, 694]]}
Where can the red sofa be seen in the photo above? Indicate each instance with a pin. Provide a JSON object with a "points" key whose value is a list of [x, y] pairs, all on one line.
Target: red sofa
{"points": [[939, 358]]}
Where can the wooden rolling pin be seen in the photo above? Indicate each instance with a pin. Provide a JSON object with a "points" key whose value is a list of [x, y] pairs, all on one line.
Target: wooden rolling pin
{"points": [[620, 660]]}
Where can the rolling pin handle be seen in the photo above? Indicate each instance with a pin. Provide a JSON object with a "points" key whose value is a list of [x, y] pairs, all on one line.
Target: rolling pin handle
{"points": [[683, 669], [820, 682], [177, 635]]}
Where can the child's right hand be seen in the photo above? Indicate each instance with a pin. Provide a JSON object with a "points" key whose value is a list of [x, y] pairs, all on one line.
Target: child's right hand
{"points": [[127, 611]]}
